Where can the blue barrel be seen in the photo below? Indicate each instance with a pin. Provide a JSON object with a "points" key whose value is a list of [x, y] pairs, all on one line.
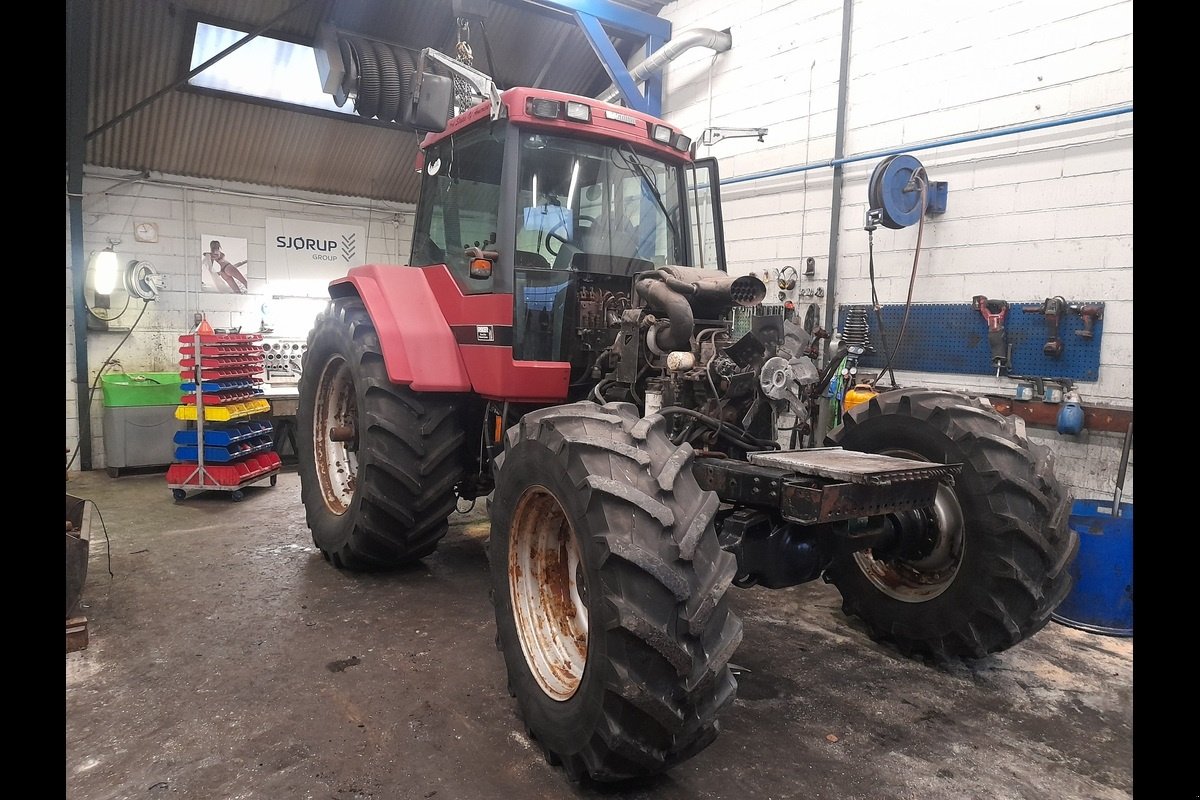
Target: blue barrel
{"points": [[1101, 600]]}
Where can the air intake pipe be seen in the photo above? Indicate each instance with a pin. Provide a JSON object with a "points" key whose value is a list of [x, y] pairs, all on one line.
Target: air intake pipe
{"points": [[682, 293], [696, 37]]}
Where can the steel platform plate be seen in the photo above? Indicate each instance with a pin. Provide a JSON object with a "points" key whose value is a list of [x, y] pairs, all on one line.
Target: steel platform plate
{"points": [[852, 466]]}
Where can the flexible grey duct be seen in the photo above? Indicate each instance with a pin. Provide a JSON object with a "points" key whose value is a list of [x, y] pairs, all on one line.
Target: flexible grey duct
{"points": [[389, 82], [367, 102], [379, 76], [406, 62], [695, 37]]}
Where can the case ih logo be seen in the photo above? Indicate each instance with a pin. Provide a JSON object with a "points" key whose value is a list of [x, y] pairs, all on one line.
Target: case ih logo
{"points": [[320, 249]]}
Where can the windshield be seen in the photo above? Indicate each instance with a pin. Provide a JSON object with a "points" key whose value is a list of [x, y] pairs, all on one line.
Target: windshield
{"points": [[595, 207]]}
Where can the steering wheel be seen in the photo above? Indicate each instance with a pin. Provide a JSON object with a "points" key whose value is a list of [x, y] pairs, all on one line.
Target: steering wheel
{"points": [[553, 233]]}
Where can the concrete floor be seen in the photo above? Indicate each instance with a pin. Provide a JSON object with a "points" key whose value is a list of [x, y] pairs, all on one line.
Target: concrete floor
{"points": [[228, 660]]}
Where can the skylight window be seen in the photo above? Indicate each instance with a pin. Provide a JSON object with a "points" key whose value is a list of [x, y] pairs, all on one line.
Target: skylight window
{"points": [[266, 68]]}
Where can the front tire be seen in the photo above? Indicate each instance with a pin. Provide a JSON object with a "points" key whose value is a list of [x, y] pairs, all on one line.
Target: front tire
{"points": [[997, 565], [609, 586], [377, 494]]}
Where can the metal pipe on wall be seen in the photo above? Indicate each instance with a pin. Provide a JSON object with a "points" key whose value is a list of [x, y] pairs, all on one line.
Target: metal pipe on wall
{"points": [[839, 147], [968, 137], [79, 23]]}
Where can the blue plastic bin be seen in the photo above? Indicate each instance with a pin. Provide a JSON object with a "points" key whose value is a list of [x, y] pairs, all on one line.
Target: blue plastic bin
{"points": [[1101, 600]]}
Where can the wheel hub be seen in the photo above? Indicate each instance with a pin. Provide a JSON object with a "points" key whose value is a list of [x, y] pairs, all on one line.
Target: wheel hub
{"points": [[548, 590], [929, 550], [335, 426]]}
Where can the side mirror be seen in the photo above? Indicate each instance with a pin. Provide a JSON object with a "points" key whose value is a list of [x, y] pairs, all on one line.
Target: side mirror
{"points": [[430, 109], [480, 261]]}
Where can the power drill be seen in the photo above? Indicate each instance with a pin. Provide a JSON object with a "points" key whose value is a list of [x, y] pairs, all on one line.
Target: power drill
{"points": [[1052, 308], [993, 313], [1090, 314]]}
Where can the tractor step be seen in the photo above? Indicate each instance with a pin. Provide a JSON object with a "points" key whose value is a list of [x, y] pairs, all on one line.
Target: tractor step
{"points": [[851, 466]]}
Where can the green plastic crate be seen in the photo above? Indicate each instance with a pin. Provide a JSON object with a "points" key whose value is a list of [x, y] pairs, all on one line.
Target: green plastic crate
{"points": [[126, 390]]}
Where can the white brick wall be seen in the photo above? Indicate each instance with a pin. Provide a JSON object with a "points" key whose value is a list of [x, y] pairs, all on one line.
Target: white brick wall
{"points": [[183, 209], [1045, 212]]}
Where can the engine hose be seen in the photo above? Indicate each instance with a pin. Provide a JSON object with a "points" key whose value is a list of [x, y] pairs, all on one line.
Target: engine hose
{"points": [[723, 429], [675, 307]]}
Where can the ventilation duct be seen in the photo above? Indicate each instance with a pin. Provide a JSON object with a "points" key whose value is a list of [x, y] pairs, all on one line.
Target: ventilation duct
{"points": [[720, 41]]}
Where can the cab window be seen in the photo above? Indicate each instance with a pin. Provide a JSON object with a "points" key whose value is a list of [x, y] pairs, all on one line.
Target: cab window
{"points": [[460, 203]]}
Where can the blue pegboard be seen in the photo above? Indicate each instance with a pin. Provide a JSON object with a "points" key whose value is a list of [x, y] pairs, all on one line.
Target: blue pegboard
{"points": [[952, 337]]}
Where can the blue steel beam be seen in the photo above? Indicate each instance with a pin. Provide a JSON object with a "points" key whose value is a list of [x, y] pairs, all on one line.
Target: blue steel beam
{"points": [[614, 15], [653, 90], [593, 16], [611, 60]]}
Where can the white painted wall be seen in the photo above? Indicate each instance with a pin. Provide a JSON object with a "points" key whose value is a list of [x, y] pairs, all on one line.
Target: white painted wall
{"points": [[184, 209], [1048, 212]]}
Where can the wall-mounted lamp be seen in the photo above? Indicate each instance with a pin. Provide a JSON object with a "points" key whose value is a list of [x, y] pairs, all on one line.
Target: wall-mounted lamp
{"points": [[108, 277], [104, 268]]}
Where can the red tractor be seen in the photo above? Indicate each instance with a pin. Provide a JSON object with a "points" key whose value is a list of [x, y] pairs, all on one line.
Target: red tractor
{"points": [[562, 339]]}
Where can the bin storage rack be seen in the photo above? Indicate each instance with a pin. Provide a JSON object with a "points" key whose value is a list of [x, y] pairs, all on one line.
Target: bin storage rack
{"points": [[227, 449]]}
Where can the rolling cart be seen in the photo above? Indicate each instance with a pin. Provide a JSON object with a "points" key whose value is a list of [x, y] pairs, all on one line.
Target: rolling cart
{"points": [[227, 449]]}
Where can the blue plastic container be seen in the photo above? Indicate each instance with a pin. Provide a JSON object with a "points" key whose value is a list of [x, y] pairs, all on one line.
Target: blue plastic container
{"points": [[1101, 600]]}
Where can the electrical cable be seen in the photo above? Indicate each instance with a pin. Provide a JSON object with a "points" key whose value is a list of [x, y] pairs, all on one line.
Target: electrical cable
{"points": [[114, 317], [107, 363], [708, 366], [722, 428], [919, 177], [487, 50], [107, 542], [875, 299], [597, 392]]}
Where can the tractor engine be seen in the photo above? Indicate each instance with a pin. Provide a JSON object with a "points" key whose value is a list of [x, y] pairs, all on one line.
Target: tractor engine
{"points": [[677, 354]]}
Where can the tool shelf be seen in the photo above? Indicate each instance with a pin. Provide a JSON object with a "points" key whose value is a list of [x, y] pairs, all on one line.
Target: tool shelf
{"points": [[225, 450], [223, 413], [224, 454], [222, 386], [230, 434], [223, 397], [221, 352], [232, 339], [222, 373], [228, 362]]}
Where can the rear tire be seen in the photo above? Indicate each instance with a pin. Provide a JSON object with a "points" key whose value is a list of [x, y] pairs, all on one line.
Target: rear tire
{"points": [[605, 545], [1000, 563], [383, 498]]}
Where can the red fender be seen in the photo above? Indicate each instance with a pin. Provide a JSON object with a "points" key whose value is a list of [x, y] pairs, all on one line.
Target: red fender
{"points": [[417, 343], [417, 312]]}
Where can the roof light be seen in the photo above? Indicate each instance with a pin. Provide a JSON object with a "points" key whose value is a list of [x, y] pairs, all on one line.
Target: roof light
{"points": [[580, 112], [681, 142], [661, 133], [541, 107]]}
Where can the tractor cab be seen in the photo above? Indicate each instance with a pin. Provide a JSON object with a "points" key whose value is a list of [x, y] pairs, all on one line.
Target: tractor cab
{"points": [[558, 199]]}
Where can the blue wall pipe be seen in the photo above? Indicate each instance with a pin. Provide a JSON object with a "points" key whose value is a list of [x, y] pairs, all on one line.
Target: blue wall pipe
{"points": [[971, 137]]}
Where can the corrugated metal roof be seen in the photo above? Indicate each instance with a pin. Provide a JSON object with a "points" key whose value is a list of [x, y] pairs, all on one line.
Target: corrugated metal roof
{"points": [[140, 47]]}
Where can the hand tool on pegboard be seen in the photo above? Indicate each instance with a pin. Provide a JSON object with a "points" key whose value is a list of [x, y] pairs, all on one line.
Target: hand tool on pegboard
{"points": [[1052, 308], [994, 312], [1090, 314]]}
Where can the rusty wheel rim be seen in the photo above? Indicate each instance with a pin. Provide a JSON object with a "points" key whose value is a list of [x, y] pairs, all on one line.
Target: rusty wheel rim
{"points": [[548, 590], [923, 579], [336, 461]]}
